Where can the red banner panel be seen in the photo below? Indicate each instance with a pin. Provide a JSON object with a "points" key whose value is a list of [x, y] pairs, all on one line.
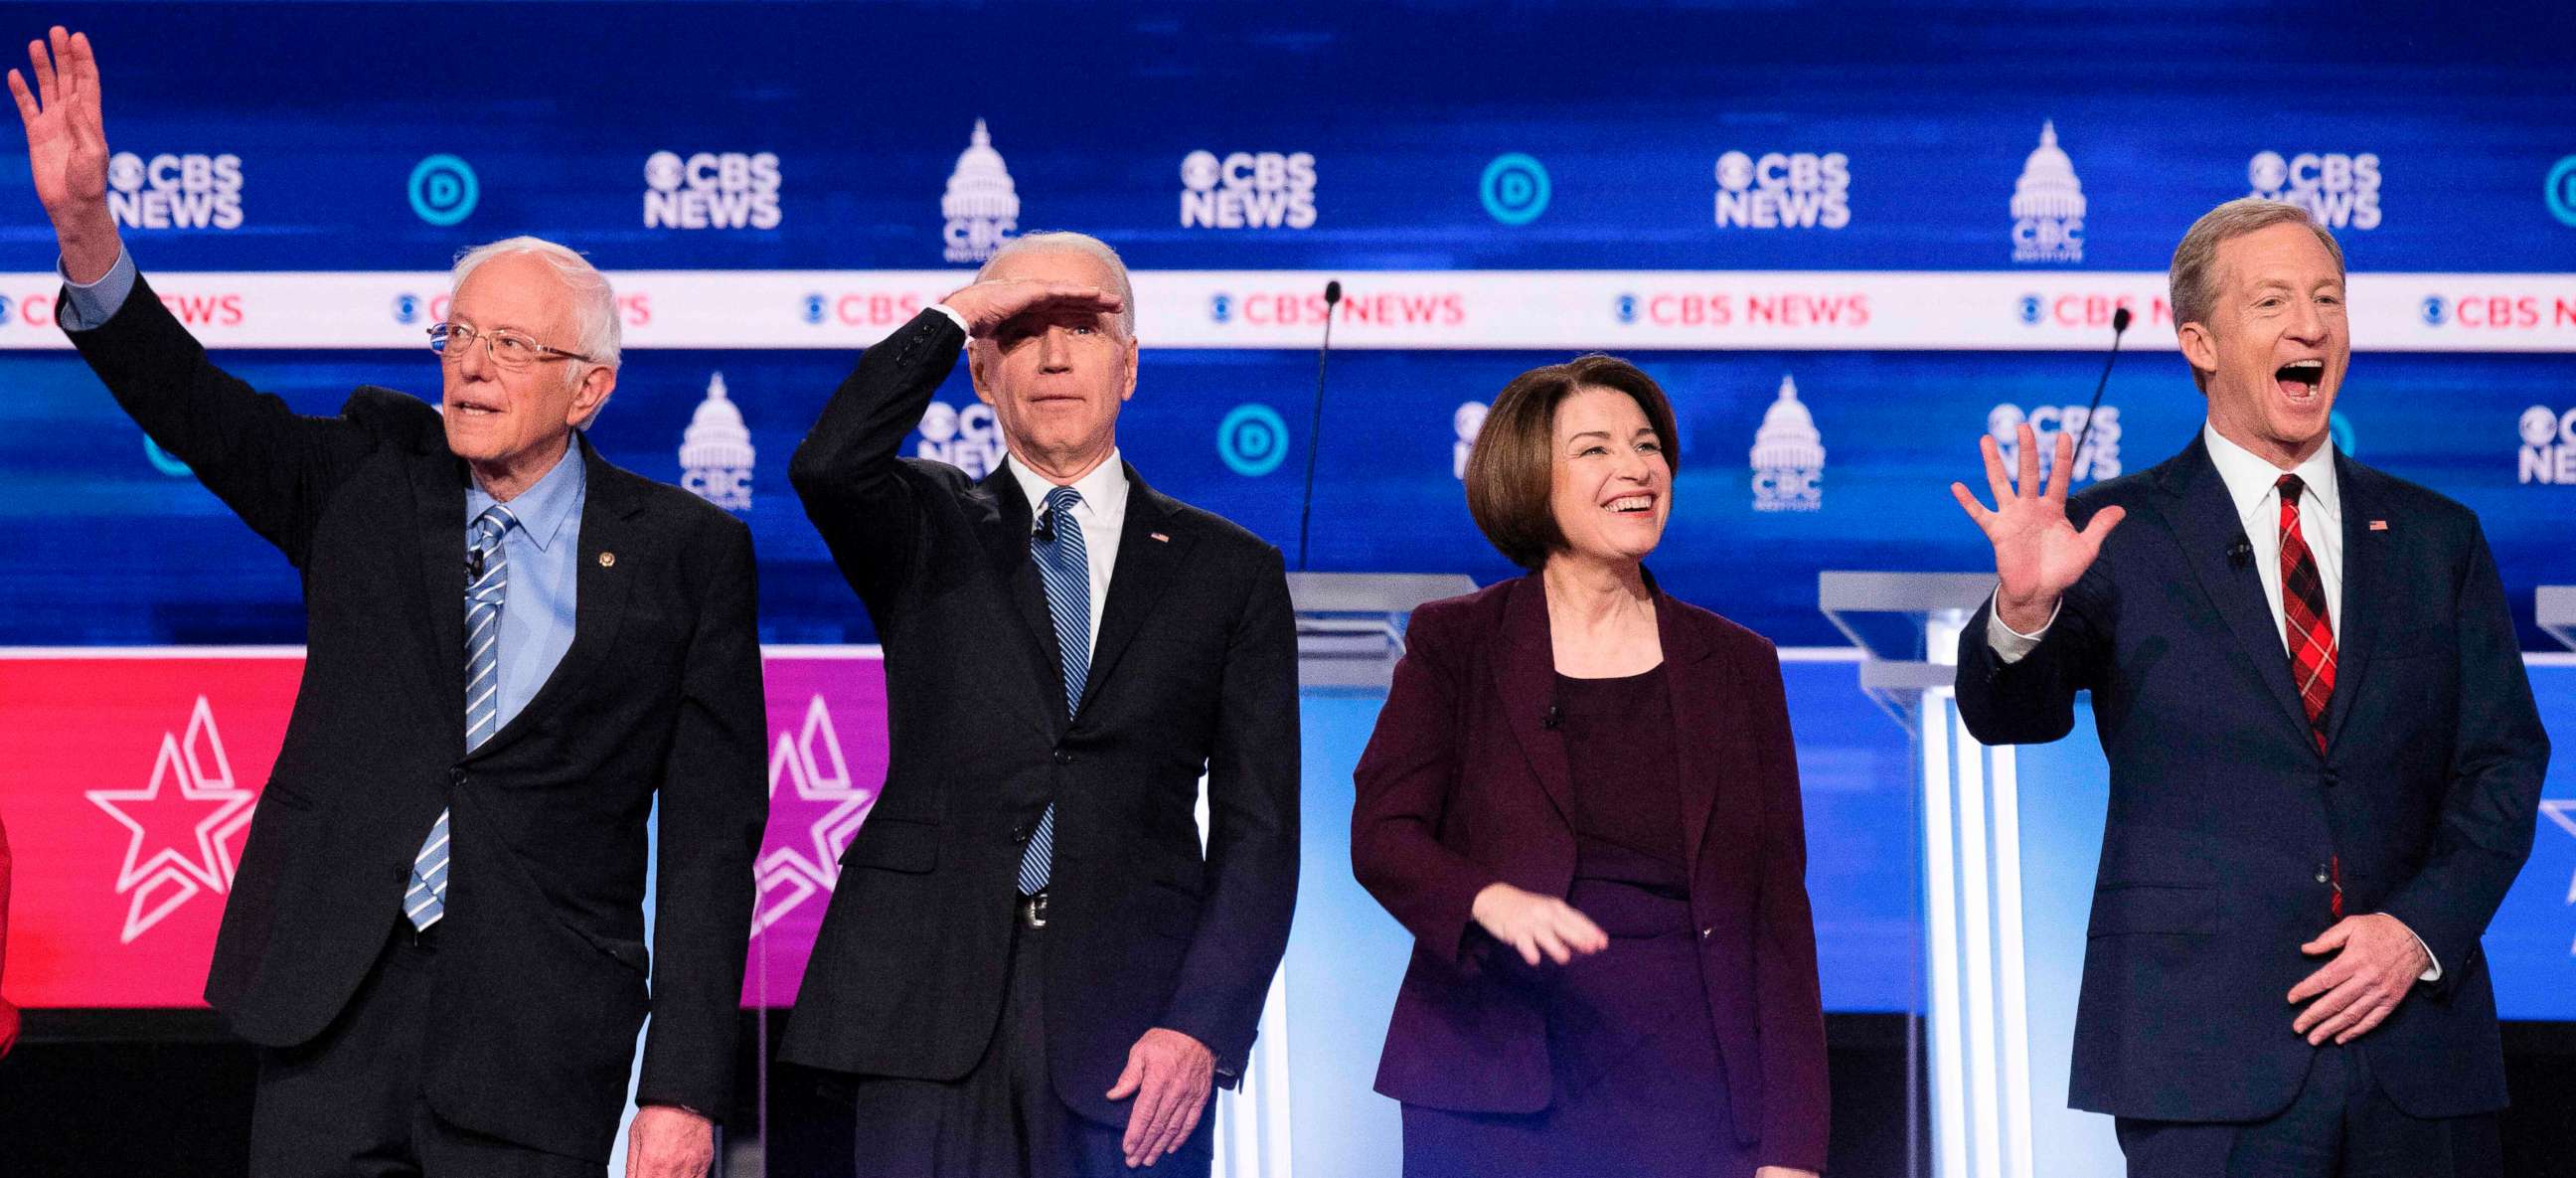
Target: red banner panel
{"points": [[131, 776]]}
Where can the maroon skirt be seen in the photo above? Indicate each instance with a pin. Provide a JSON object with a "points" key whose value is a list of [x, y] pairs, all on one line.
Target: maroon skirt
{"points": [[1638, 1089]]}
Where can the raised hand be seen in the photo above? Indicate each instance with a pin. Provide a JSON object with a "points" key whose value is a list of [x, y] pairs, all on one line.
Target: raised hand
{"points": [[1535, 925], [989, 304], [67, 149], [2038, 552]]}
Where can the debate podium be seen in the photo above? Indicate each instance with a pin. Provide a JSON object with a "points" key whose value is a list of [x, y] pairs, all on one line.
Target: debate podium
{"points": [[2007, 884]]}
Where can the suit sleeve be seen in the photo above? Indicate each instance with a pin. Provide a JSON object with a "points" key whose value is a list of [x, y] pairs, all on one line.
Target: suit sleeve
{"points": [[2492, 800], [1791, 1004], [1251, 879], [714, 802], [2031, 700], [847, 470], [273, 467], [1404, 784]]}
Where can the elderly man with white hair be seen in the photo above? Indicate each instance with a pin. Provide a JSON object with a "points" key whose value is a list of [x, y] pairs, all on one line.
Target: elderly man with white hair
{"points": [[1031, 965], [515, 653]]}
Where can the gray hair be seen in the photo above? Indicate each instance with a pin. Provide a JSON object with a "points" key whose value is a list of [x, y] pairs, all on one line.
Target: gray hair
{"points": [[598, 333], [2192, 284], [1081, 243]]}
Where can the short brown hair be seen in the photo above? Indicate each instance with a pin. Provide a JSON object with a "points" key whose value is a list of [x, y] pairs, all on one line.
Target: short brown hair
{"points": [[1511, 472], [2191, 285]]}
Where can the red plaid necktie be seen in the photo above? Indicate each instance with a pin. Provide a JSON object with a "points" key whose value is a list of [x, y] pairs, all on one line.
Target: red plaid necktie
{"points": [[2310, 635]]}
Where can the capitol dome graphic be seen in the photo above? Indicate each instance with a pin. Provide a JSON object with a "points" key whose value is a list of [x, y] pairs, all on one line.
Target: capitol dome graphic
{"points": [[716, 436], [2048, 187], [981, 204], [1788, 437]]}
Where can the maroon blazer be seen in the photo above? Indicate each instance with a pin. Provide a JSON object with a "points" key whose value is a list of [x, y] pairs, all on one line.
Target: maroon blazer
{"points": [[1464, 784]]}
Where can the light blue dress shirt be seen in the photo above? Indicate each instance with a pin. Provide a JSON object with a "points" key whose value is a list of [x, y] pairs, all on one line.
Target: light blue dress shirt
{"points": [[544, 548], [94, 304]]}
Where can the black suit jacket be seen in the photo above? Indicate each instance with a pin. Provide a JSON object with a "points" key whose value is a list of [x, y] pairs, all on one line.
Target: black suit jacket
{"points": [[542, 962], [1194, 669], [2225, 816]]}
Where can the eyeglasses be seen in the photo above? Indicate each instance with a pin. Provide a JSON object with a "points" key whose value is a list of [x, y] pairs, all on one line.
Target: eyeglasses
{"points": [[507, 349]]}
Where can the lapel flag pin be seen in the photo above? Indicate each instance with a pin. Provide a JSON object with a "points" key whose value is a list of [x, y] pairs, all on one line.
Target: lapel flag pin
{"points": [[2379, 525], [1159, 537], [608, 560]]}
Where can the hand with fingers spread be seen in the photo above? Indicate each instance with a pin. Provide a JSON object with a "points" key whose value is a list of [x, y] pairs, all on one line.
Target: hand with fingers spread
{"points": [[67, 149], [2038, 552], [2376, 964], [1170, 1075], [988, 304], [1533, 924]]}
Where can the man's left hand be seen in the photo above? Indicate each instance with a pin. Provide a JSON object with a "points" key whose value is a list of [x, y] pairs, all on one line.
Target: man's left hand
{"points": [[2377, 961], [1170, 1075], [669, 1142]]}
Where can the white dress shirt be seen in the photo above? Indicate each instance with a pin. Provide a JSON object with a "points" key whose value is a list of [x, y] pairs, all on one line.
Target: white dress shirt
{"points": [[1102, 514], [2253, 485]]}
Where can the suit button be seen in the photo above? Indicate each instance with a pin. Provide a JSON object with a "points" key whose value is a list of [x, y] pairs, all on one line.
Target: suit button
{"points": [[456, 777], [2332, 780], [1021, 833], [1706, 933], [1063, 758]]}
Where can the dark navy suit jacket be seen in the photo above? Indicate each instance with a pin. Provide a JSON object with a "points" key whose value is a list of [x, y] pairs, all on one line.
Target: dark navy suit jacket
{"points": [[2225, 815]]}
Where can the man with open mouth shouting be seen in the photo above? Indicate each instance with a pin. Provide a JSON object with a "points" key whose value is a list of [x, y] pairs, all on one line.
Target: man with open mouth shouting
{"points": [[2325, 762]]}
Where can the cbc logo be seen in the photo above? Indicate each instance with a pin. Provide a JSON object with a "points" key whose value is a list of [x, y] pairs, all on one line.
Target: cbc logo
{"points": [[1248, 190], [711, 190], [166, 191], [1777, 190]]}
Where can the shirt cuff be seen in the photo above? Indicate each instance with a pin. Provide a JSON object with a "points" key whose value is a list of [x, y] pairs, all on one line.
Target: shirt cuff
{"points": [[953, 317], [87, 306], [2009, 644]]}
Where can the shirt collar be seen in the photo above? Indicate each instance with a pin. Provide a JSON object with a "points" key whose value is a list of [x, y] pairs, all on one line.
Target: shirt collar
{"points": [[541, 509], [1104, 490], [2251, 480]]}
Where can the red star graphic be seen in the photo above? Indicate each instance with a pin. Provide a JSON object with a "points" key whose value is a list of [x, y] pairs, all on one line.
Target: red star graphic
{"points": [[185, 819]]}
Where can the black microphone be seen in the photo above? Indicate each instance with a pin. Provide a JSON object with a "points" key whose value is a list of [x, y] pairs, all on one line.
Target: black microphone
{"points": [[2119, 326], [1315, 424], [473, 565], [2240, 553], [1555, 717]]}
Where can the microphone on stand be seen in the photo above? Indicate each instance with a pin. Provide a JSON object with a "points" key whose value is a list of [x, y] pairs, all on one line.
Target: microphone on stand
{"points": [[1315, 423], [2119, 326]]}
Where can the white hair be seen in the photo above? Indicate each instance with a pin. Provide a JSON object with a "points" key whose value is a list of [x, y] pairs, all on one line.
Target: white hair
{"points": [[1080, 243], [597, 331]]}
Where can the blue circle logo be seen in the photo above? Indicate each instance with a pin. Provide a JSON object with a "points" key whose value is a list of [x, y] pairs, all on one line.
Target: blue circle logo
{"points": [[1515, 188], [1221, 308], [4, 308], [1627, 308], [1252, 440], [2561, 190], [406, 308], [443, 190], [2033, 309], [2344, 438], [163, 462], [2436, 310], [814, 305]]}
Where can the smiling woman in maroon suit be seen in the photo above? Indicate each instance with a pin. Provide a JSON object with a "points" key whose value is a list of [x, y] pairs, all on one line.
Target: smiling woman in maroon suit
{"points": [[1582, 800]]}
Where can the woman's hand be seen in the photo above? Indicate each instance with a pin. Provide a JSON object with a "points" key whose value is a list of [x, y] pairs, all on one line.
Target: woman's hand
{"points": [[1533, 924]]}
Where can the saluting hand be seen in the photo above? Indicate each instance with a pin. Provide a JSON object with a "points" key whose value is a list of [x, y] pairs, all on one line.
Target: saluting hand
{"points": [[987, 305], [2038, 552], [67, 149]]}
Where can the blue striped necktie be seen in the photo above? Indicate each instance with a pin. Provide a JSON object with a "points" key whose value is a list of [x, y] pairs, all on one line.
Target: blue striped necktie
{"points": [[1065, 566], [487, 582]]}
